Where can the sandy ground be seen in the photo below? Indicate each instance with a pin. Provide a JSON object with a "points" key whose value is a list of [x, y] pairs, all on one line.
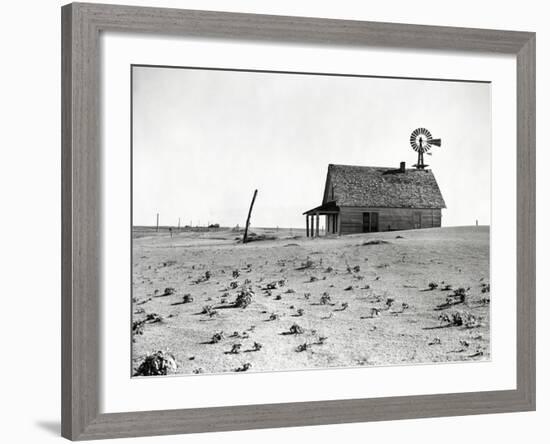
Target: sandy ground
{"points": [[345, 331]]}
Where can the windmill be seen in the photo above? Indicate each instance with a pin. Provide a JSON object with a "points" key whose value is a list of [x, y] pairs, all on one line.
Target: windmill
{"points": [[421, 142]]}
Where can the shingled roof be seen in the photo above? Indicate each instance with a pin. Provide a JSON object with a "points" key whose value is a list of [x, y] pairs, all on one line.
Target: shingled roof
{"points": [[363, 186]]}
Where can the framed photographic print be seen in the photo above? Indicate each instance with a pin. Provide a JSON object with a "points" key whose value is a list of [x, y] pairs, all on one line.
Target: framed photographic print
{"points": [[278, 221]]}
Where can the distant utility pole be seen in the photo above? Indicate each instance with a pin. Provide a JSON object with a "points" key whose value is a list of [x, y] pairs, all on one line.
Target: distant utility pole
{"points": [[157, 222], [248, 218], [179, 224]]}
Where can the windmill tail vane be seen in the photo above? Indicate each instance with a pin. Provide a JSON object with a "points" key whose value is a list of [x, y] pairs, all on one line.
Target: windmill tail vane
{"points": [[422, 141]]}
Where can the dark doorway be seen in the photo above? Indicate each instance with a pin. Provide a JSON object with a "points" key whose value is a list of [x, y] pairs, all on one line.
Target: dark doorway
{"points": [[374, 222], [370, 222], [366, 222], [417, 219]]}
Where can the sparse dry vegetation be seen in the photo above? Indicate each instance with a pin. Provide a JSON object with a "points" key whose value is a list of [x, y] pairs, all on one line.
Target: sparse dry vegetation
{"points": [[376, 304]]}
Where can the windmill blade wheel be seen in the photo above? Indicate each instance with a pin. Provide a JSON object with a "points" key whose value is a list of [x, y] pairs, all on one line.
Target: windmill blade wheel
{"points": [[421, 141]]}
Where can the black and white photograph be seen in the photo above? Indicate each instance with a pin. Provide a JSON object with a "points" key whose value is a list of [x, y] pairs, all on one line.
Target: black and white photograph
{"points": [[289, 221]]}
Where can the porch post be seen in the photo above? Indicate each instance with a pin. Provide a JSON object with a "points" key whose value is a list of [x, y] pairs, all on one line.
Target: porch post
{"points": [[307, 225], [317, 227], [339, 223]]}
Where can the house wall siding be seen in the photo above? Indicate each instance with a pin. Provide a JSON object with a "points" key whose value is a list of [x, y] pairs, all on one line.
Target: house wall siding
{"points": [[389, 218]]}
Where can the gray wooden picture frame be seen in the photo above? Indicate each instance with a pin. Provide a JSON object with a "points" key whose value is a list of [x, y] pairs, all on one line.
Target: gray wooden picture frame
{"points": [[81, 244]]}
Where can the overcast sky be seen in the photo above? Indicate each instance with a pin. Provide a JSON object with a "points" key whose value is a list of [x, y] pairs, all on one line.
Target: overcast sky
{"points": [[204, 140]]}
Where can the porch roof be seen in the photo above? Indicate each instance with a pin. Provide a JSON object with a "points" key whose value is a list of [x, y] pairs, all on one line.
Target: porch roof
{"points": [[327, 208]]}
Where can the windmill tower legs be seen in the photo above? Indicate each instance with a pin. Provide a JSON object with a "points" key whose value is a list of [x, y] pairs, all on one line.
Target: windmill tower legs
{"points": [[420, 163]]}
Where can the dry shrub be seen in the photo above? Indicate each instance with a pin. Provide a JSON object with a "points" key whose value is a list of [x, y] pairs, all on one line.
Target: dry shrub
{"points": [[187, 298], [375, 312], [244, 298], [458, 297], [295, 329], [217, 337], [471, 321], [153, 318], [137, 327], [325, 299], [157, 364], [208, 310], [303, 347], [461, 291], [243, 368], [168, 291], [459, 319], [235, 349]]}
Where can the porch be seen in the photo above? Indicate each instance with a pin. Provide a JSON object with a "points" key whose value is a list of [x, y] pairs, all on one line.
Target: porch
{"points": [[332, 219]]}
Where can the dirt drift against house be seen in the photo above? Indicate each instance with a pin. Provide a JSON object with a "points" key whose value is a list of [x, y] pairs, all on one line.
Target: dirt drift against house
{"points": [[285, 302]]}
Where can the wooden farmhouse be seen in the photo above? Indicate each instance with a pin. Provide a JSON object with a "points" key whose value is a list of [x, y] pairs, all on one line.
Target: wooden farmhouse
{"points": [[362, 199]]}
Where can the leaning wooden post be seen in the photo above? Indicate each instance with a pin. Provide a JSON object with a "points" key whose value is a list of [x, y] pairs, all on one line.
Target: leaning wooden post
{"points": [[248, 218]]}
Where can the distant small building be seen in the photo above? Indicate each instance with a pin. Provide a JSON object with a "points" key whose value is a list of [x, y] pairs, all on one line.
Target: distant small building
{"points": [[362, 199]]}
